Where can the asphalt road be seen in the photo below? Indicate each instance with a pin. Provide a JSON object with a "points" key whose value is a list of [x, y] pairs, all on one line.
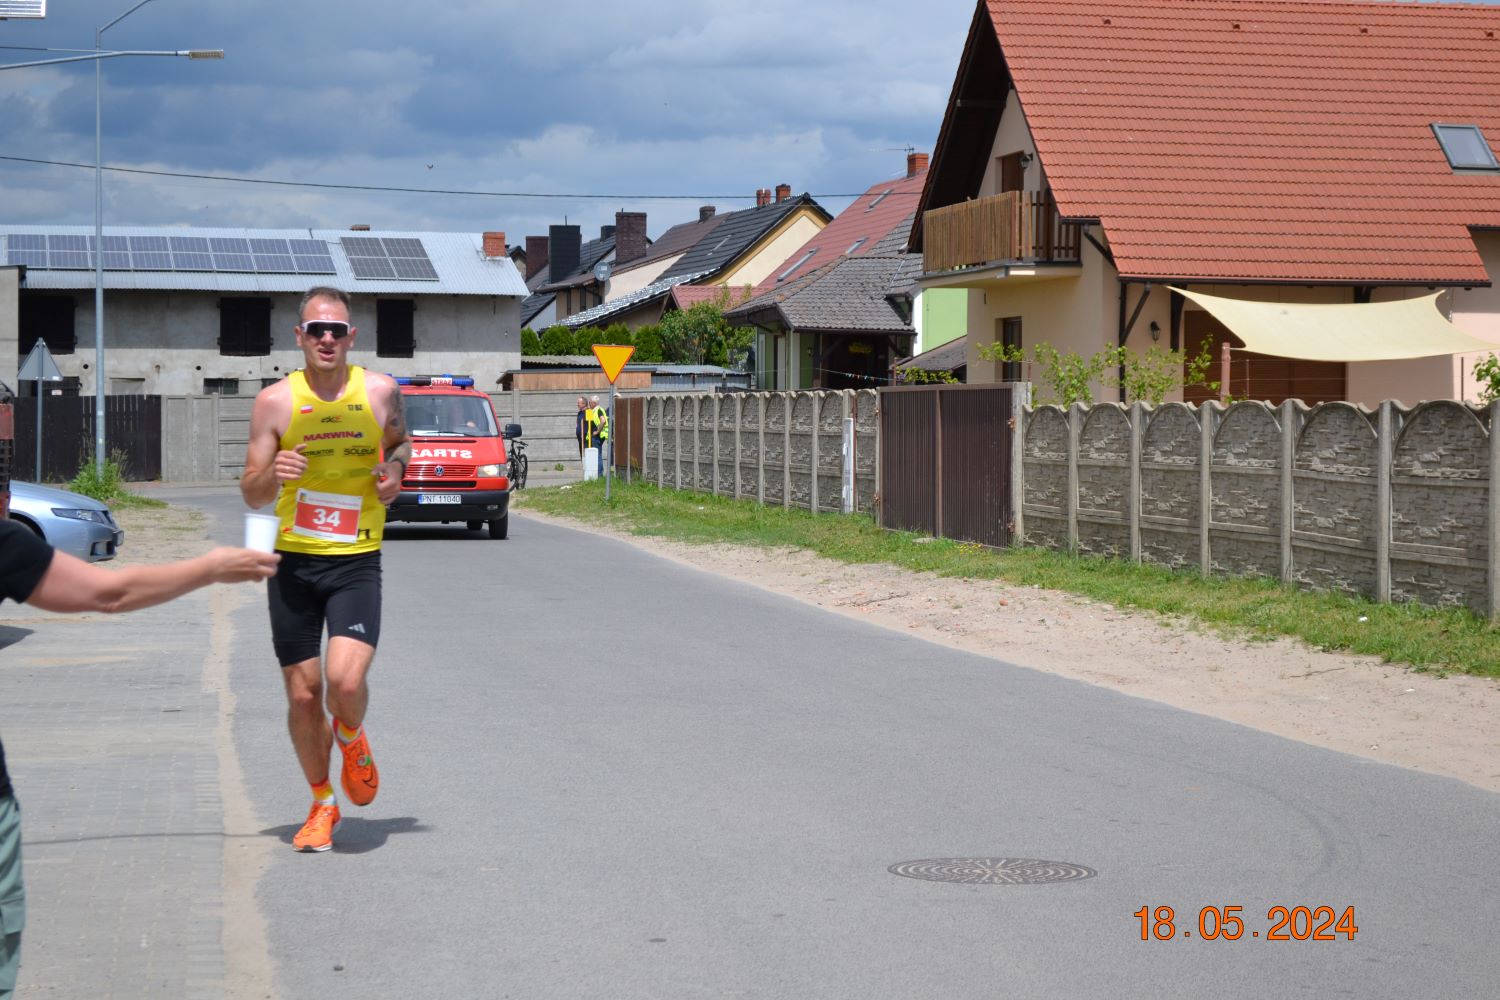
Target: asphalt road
{"points": [[607, 775]]}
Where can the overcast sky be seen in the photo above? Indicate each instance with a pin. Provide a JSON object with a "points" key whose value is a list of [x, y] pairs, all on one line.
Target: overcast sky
{"points": [[655, 97]]}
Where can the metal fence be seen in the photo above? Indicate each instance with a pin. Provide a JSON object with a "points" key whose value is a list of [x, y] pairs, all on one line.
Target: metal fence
{"points": [[947, 453], [132, 427]]}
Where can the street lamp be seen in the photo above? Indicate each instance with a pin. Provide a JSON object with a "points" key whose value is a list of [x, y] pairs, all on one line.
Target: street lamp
{"points": [[99, 57]]}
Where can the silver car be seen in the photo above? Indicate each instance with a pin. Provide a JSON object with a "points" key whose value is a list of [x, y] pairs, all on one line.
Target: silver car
{"points": [[76, 524]]}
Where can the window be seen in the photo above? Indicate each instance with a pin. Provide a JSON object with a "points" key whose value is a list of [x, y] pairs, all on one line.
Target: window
{"points": [[244, 327], [48, 318], [800, 261], [879, 198], [855, 245], [1465, 147], [221, 387], [1008, 333], [394, 328]]}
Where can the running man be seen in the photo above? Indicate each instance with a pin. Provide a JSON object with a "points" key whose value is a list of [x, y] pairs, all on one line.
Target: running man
{"points": [[329, 444]]}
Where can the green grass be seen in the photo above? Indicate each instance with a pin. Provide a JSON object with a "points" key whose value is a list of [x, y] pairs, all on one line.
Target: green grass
{"points": [[107, 485], [1250, 608]]}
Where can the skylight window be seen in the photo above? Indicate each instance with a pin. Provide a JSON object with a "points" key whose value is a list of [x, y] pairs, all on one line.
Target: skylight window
{"points": [[855, 245], [879, 199], [800, 261], [1465, 147]]}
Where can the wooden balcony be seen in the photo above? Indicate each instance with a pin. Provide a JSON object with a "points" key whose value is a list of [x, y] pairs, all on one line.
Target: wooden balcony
{"points": [[1012, 227]]}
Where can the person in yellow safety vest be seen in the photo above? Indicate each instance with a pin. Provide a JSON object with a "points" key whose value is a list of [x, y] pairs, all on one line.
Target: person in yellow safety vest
{"points": [[596, 430]]}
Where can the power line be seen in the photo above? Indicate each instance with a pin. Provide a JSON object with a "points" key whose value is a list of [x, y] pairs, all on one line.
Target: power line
{"points": [[414, 190]]}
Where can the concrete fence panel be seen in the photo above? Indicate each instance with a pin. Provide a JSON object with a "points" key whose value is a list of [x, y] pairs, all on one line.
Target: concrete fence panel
{"points": [[1335, 485], [1245, 505], [1104, 482], [1045, 471], [1170, 490]]}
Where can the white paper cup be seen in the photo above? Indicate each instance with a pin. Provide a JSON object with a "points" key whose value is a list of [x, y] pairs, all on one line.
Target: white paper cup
{"points": [[261, 530]]}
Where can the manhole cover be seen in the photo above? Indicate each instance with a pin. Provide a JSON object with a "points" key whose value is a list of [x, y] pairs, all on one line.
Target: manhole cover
{"points": [[992, 871]]}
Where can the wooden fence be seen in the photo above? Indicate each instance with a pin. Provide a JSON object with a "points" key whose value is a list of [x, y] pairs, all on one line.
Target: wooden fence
{"points": [[132, 427]]}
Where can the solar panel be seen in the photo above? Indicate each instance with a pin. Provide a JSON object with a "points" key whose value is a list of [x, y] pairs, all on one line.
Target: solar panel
{"points": [[71, 260], [116, 244], [404, 247], [190, 261], [362, 246], [31, 258], [233, 261], [27, 241], [151, 260], [56, 241], [312, 263], [316, 248], [115, 260], [189, 244], [371, 267], [274, 263], [155, 244], [279, 247], [229, 244], [416, 270]]}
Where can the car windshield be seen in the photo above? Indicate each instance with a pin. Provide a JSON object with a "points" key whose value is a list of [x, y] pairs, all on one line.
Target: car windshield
{"points": [[449, 416]]}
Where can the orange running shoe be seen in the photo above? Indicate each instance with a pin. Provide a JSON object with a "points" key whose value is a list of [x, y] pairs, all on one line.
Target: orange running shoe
{"points": [[317, 833], [359, 777]]}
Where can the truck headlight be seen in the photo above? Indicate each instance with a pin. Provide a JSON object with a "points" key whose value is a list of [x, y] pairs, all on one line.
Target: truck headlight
{"points": [[491, 471]]}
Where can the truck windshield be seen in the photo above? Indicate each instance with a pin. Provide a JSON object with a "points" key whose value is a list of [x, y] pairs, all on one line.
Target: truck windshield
{"points": [[449, 416]]}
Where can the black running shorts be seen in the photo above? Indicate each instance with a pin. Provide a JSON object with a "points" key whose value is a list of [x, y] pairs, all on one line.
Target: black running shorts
{"points": [[308, 591]]}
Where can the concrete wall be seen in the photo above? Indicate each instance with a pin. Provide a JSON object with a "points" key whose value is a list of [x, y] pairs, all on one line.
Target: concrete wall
{"points": [[9, 322], [779, 448], [1394, 504], [166, 343]]}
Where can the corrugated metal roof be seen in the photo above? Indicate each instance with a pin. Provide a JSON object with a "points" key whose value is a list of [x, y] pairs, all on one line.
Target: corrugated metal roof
{"points": [[1270, 140], [458, 259]]}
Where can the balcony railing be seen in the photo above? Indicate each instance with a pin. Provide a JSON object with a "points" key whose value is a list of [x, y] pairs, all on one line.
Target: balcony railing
{"points": [[1014, 226]]}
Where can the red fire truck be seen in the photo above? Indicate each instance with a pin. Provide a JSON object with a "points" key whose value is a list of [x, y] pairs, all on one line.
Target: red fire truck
{"points": [[459, 465]]}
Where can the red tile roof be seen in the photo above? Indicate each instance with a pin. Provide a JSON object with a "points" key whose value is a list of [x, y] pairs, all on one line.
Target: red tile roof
{"points": [[1263, 140], [687, 296], [868, 220]]}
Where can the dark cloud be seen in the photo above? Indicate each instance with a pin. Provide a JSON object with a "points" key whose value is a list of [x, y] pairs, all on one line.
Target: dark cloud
{"points": [[664, 97]]}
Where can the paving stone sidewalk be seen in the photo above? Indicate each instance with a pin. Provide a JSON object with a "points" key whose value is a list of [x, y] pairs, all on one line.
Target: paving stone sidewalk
{"points": [[110, 738]]}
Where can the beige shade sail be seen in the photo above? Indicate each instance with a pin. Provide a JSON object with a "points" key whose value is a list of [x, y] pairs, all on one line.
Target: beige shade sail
{"points": [[1374, 331]]}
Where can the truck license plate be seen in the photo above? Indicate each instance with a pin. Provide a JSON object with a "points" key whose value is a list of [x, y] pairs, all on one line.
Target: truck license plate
{"points": [[439, 498]]}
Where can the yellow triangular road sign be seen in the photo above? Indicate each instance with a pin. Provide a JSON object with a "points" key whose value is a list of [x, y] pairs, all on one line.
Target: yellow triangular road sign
{"points": [[612, 358]]}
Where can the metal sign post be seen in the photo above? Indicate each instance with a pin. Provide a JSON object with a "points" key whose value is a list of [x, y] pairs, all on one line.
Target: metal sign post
{"points": [[612, 358], [39, 367]]}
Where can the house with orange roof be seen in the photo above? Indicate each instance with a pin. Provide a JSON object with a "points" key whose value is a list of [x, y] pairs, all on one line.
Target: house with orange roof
{"points": [[842, 328], [1116, 172]]}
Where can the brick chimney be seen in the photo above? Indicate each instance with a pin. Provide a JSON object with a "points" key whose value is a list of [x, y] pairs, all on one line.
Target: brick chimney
{"points": [[915, 163], [783, 192], [360, 227], [762, 197], [536, 255], [605, 232], [706, 212], [630, 236], [494, 244], [566, 248]]}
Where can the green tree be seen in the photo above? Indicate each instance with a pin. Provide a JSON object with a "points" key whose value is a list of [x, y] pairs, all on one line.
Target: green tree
{"points": [[531, 344], [557, 340], [647, 341], [1487, 374], [700, 335]]}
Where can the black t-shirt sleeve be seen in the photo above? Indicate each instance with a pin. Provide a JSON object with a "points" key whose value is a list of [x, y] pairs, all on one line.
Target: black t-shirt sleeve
{"points": [[24, 559]]}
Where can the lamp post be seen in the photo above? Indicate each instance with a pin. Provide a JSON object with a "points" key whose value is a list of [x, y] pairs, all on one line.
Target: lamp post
{"points": [[99, 56]]}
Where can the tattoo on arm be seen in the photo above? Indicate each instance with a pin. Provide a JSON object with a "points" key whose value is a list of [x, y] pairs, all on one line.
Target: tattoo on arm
{"points": [[395, 428]]}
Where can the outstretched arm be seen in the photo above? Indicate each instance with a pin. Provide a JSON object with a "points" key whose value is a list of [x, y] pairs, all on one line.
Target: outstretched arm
{"points": [[70, 584]]}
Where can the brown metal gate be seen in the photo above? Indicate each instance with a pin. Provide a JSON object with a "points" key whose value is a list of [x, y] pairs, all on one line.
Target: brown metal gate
{"points": [[132, 429], [629, 434], [945, 460]]}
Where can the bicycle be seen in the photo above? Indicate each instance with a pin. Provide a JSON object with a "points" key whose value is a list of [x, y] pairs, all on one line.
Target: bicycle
{"points": [[518, 463]]}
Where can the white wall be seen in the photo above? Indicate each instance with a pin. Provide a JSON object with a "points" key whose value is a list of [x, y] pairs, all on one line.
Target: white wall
{"points": [[633, 279], [1013, 136]]}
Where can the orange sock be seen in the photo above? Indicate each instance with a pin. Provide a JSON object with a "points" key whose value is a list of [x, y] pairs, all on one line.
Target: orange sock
{"points": [[323, 794], [346, 735]]}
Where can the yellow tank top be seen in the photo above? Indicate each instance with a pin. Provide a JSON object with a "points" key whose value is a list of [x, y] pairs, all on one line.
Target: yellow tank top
{"points": [[332, 509]]}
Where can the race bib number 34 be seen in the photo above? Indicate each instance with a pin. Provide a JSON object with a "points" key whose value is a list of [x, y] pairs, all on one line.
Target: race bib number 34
{"points": [[332, 517]]}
